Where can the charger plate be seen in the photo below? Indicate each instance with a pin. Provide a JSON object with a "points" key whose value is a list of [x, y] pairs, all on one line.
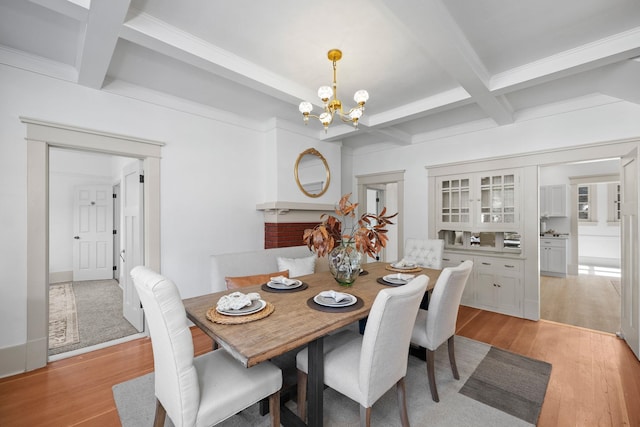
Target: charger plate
{"points": [[404, 270], [214, 316]]}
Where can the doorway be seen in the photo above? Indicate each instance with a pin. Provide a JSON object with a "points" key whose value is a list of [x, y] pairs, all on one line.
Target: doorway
{"points": [[589, 294], [385, 190], [85, 299], [40, 136]]}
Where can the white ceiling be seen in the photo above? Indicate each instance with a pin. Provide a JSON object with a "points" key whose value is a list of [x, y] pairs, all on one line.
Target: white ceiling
{"points": [[432, 67]]}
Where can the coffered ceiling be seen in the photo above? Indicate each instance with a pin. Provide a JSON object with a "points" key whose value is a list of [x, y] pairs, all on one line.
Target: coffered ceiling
{"points": [[431, 67]]}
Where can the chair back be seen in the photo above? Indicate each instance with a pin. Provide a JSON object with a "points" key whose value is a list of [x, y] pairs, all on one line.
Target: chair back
{"points": [[444, 303], [383, 358], [176, 379], [425, 253]]}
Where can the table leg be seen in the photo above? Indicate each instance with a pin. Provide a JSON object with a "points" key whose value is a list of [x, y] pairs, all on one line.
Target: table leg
{"points": [[315, 385]]}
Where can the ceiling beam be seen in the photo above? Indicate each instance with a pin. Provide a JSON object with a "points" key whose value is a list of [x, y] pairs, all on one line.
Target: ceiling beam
{"points": [[158, 36], [75, 9], [590, 56], [622, 81], [435, 32], [101, 35]]}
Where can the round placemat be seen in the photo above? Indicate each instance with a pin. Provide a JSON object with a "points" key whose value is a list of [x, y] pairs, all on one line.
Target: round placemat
{"points": [[404, 270], [384, 282], [266, 288], [314, 305], [216, 317]]}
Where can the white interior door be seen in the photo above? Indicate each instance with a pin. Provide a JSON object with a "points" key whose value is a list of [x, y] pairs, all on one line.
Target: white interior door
{"points": [[630, 283], [93, 238], [131, 254]]}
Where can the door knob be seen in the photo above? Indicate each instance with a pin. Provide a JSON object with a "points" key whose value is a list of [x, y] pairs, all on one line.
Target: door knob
{"points": [[76, 237]]}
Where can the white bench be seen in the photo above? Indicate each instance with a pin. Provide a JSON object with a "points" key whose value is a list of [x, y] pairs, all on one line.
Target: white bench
{"points": [[255, 262]]}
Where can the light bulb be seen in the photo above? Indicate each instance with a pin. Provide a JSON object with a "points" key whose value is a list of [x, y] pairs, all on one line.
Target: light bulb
{"points": [[325, 93], [361, 97], [305, 107]]}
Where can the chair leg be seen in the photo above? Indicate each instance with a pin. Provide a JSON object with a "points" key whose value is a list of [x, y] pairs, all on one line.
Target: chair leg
{"points": [[302, 395], [431, 373], [402, 402], [161, 415], [452, 358], [274, 409], [365, 416]]}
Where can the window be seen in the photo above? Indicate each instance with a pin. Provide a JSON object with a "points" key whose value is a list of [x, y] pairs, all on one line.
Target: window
{"points": [[613, 203], [587, 211]]}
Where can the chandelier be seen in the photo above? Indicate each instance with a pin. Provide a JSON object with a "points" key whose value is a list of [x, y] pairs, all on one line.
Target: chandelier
{"points": [[333, 106]]}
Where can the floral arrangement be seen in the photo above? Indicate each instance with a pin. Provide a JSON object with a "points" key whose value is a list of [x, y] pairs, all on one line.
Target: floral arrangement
{"points": [[367, 233]]}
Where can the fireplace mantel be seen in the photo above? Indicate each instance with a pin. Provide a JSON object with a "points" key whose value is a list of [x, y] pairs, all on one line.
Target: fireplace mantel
{"points": [[285, 222], [294, 211]]}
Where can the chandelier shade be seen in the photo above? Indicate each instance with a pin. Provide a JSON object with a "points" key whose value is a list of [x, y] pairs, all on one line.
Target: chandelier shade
{"points": [[332, 105]]}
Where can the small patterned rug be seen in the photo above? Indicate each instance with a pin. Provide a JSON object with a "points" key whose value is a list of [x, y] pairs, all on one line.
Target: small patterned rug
{"points": [[63, 317]]}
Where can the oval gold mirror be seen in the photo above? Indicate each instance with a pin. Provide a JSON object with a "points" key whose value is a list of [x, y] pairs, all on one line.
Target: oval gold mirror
{"points": [[312, 173]]}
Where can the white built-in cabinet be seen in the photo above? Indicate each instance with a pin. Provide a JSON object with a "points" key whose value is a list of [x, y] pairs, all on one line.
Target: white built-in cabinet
{"points": [[479, 201], [495, 283], [553, 256], [553, 200]]}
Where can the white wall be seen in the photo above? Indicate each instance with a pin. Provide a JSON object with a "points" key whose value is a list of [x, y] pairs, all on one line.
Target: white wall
{"points": [[618, 120], [212, 174]]}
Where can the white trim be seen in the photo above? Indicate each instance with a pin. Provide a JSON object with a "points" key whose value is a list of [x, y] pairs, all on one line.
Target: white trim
{"points": [[40, 136]]}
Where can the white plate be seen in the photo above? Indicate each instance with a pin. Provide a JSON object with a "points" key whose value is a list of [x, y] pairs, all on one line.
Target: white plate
{"points": [[275, 285], [404, 267], [392, 278], [255, 307], [330, 302]]}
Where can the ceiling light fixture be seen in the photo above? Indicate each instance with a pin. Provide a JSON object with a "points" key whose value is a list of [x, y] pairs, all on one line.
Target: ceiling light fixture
{"points": [[334, 106]]}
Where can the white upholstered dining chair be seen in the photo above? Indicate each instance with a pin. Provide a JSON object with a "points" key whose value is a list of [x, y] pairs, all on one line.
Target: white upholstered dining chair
{"points": [[201, 391], [424, 252], [438, 324], [364, 367]]}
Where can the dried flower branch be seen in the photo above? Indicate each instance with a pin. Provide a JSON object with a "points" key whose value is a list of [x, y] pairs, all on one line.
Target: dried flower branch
{"points": [[369, 233]]}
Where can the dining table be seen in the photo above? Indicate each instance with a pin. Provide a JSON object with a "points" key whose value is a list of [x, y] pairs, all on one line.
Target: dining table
{"points": [[296, 320]]}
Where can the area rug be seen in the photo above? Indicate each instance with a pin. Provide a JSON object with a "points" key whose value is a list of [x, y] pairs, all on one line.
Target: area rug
{"points": [[99, 314], [136, 402], [63, 318], [492, 384]]}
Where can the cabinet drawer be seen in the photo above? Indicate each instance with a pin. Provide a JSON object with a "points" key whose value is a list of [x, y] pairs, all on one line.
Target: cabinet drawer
{"points": [[554, 243], [498, 264]]}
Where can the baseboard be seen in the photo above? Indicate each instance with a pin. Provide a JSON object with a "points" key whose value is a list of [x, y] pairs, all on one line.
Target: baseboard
{"points": [[61, 277], [600, 262], [12, 360]]}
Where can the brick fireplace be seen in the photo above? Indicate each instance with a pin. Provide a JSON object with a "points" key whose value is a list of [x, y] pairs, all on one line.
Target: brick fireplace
{"points": [[285, 222]]}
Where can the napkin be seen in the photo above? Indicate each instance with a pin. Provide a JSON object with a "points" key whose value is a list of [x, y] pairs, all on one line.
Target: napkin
{"points": [[405, 263], [337, 296], [402, 276], [237, 300], [284, 280]]}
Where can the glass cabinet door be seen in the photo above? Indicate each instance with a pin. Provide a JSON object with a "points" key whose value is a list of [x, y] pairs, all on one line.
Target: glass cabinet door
{"points": [[497, 199], [455, 201]]}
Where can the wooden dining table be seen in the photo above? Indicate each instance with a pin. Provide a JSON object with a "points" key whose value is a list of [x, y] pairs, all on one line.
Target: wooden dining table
{"points": [[295, 322]]}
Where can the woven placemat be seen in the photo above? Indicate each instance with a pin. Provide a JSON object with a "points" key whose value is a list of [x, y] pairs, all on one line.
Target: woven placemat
{"points": [[404, 270], [312, 304], [266, 288], [216, 317]]}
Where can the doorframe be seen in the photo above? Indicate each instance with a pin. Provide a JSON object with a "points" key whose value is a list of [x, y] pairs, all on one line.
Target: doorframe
{"points": [[392, 177], [40, 135]]}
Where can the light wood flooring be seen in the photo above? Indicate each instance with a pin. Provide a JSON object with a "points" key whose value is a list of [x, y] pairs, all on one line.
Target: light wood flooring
{"points": [[595, 378], [589, 301]]}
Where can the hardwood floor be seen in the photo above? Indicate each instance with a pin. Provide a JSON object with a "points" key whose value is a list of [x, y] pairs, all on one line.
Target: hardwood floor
{"points": [[590, 301], [595, 379]]}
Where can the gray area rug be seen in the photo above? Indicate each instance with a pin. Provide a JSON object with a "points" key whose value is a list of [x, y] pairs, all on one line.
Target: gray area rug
{"points": [[63, 317], [493, 383], [135, 399], [99, 313]]}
